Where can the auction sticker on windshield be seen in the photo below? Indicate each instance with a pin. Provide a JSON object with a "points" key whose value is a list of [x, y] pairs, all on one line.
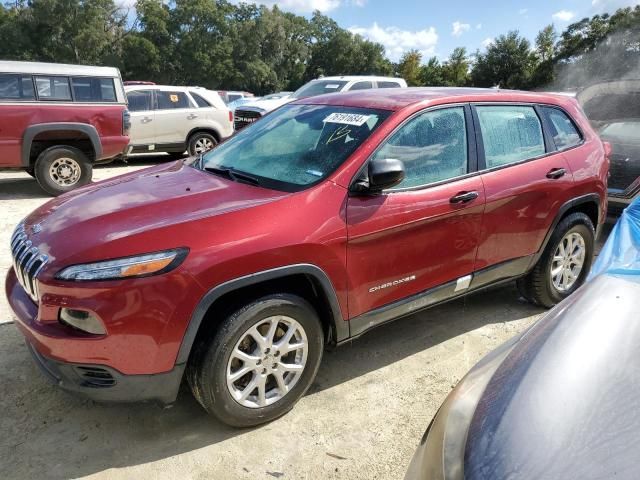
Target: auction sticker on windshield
{"points": [[347, 119]]}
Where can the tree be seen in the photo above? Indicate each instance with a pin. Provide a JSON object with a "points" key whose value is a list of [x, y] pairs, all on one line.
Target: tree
{"points": [[431, 74], [546, 43], [455, 71], [409, 68], [508, 62]]}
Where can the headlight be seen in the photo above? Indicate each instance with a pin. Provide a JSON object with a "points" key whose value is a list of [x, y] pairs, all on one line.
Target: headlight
{"points": [[127, 267]]}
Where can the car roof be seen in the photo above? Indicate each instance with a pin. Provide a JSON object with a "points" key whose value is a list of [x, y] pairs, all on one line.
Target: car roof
{"points": [[398, 98], [7, 66], [350, 78]]}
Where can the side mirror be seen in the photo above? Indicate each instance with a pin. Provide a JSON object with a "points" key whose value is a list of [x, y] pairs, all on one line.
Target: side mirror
{"points": [[383, 173]]}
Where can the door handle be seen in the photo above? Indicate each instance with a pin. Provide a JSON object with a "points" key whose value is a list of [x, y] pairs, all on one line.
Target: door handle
{"points": [[464, 197], [556, 173], [146, 119], [192, 116]]}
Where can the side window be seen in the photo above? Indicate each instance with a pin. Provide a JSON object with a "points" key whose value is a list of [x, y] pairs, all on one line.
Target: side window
{"points": [[90, 89], [202, 103], [433, 147], [362, 86], [140, 100], [168, 100], [233, 97], [16, 87], [53, 88], [388, 85], [510, 134], [564, 132]]}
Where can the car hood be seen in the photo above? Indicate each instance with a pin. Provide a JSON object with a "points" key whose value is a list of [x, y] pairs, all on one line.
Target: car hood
{"points": [[563, 403], [84, 224], [265, 105]]}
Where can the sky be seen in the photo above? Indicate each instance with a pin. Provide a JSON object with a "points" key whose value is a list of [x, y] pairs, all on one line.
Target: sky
{"points": [[435, 28]]}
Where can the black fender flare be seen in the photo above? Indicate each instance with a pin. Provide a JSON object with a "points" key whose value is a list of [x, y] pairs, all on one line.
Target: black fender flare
{"points": [[33, 130], [592, 198], [338, 322]]}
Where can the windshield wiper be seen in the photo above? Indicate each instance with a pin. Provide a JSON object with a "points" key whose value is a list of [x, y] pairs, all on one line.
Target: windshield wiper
{"points": [[233, 174]]}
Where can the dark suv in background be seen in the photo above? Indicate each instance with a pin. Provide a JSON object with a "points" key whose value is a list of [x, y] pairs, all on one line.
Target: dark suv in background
{"points": [[613, 108], [328, 217]]}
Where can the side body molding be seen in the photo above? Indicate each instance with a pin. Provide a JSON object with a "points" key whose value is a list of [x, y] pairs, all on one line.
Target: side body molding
{"points": [[339, 324], [33, 130]]}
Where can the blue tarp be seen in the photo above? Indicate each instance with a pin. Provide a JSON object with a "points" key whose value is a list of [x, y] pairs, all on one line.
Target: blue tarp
{"points": [[621, 254]]}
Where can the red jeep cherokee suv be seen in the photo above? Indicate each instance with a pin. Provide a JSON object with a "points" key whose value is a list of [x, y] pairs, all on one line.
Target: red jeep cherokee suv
{"points": [[324, 219]]}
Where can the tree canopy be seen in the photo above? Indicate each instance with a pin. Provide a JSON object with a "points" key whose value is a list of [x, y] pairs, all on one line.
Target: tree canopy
{"points": [[227, 45]]}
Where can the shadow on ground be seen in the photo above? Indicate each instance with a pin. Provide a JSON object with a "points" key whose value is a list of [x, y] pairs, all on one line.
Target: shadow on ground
{"points": [[48, 433]]}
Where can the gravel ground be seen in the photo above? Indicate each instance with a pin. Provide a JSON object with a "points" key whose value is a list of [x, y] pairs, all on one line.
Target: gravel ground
{"points": [[362, 418]]}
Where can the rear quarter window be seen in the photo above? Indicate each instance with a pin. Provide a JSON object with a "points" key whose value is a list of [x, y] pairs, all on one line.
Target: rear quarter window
{"points": [[388, 85], [201, 102], [563, 130], [92, 89]]}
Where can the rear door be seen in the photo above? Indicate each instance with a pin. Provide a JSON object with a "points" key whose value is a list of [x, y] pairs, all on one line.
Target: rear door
{"points": [[143, 127], [525, 181], [175, 113], [420, 234]]}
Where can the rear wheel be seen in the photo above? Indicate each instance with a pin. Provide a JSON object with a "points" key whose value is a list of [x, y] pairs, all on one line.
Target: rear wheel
{"points": [[260, 361], [564, 264], [201, 142], [62, 169]]}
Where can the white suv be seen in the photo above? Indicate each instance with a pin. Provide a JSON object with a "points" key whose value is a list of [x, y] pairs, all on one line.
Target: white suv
{"points": [[250, 112], [174, 119]]}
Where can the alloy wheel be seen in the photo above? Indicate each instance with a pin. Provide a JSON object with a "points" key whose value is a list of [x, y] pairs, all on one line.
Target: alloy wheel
{"points": [[202, 145], [568, 261], [267, 361]]}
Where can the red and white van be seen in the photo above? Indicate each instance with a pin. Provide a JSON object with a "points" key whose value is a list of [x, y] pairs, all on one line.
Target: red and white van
{"points": [[57, 121]]}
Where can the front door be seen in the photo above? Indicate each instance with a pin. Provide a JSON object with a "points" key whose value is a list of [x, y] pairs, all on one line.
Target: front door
{"points": [[422, 233], [142, 117]]}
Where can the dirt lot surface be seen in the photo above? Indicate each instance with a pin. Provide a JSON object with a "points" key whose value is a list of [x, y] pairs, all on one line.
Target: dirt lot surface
{"points": [[362, 418]]}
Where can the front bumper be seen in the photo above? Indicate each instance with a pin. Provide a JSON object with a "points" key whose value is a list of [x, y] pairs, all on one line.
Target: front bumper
{"points": [[104, 384], [61, 356]]}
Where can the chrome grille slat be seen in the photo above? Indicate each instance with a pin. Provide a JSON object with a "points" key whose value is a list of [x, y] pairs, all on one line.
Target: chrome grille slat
{"points": [[25, 261]]}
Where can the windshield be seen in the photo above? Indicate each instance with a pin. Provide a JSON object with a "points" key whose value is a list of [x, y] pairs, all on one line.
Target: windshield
{"points": [[318, 87], [296, 146]]}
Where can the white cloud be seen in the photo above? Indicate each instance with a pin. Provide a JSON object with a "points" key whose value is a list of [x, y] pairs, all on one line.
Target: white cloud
{"points": [[397, 41], [459, 28], [563, 15], [610, 6], [487, 41]]}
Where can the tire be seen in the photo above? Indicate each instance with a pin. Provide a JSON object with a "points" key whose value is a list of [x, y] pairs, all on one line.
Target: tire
{"points": [[538, 286], [214, 360], [62, 169], [199, 141]]}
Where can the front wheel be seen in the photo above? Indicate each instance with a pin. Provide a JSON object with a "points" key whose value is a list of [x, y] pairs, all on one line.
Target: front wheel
{"points": [[62, 169], [262, 358], [564, 264]]}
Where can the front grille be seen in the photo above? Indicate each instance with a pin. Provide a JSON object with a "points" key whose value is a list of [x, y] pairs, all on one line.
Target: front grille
{"points": [[242, 118], [96, 377], [28, 262]]}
